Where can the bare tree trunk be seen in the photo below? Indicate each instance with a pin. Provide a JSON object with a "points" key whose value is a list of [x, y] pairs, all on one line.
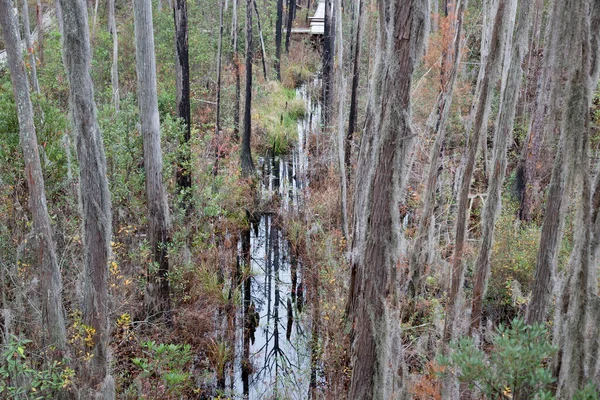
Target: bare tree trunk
{"points": [[290, 23], [51, 283], [512, 76], [561, 180], [353, 114], [114, 70], [32, 60], [218, 99], [158, 303], [377, 359], [93, 183], [327, 66], [40, 28], [278, 37], [182, 69], [489, 78], [246, 156], [418, 256], [236, 72], [262, 41], [341, 91]]}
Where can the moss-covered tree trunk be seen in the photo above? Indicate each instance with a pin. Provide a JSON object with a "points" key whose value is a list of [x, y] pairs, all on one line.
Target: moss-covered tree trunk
{"points": [[50, 282], [157, 301], [93, 186], [383, 168], [246, 156]]}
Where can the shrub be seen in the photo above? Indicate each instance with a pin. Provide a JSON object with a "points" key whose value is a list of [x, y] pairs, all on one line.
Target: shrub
{"points": [[517, 361]]}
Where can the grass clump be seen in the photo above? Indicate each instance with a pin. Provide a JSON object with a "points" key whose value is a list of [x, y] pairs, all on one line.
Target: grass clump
{"points": [[277, 115]]}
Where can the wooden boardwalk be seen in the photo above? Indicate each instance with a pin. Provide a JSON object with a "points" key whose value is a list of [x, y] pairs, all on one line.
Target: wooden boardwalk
{"points": [[317, 22]]}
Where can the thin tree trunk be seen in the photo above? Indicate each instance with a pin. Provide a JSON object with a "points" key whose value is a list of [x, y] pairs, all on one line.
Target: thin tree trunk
{"points": [[262, 41], [353, 114], [341, 91], [278, 37], [491, 69], [182, 69], [40, 28], [30, 52], [93, 183], [158, 303], [236, 72], [290, 23], [50, 282], [114, 70], [418, 256], [327, 66], [383, 168], [512, 75], [218, 99], [246, 156]]}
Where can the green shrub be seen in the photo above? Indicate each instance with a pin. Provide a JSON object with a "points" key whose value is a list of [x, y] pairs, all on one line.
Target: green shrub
{"points": [[517, 361]]}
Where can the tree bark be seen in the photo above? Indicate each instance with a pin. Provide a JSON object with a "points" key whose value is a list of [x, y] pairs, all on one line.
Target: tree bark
{"points": [[182, 69], [290, 23], [40, 27], [489, 78], [236, 71], [341, 91], [278, 37], [418, 256], [218, 99], [51, 282], [573, 367], [382, 173], [114, 70], [353, 114], [93, 183], [327, 66], [246, 156], [30, 52], [561, 179], [158, 303], [512, 76]]}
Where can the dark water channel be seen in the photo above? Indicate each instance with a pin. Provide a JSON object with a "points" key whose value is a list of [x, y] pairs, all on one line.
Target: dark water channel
{"points": [[273, 355]]}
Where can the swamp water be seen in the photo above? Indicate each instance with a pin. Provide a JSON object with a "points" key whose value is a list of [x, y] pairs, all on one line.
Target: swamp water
{"points": [[273, 351]]}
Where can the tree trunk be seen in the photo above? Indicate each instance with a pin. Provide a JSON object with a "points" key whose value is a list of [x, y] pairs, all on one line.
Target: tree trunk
{"points": [[236, 72], [218, 99], [382, 173], [290, 23], [278, 37], [30, 52], [158, 211], [182, 69], [51, 283], [114, 70], [93, 183], [488, 81], [246, 156], [341, 91], [327, 66], [352, 116], [262, 41], [545, 118], [561, 180], [418, 256], [573, 305], [512, 76], [40, 27]]}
